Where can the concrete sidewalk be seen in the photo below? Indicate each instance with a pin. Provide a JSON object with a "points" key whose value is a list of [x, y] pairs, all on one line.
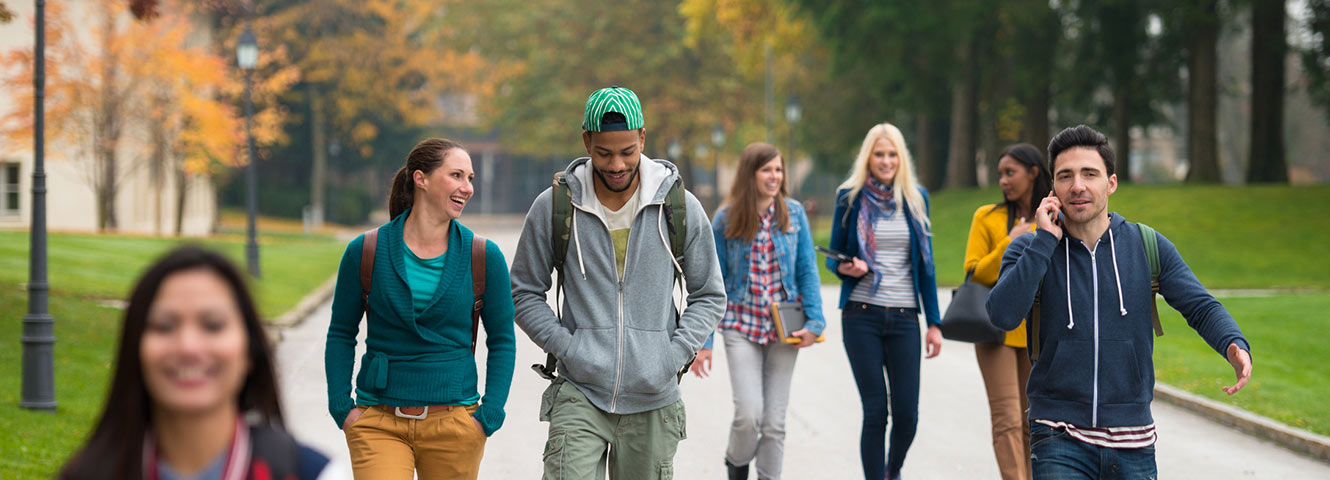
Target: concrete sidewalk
{"points": [[823, 425]]}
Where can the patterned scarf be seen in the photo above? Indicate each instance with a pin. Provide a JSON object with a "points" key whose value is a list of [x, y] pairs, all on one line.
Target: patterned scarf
{"points": [[875, 202]]}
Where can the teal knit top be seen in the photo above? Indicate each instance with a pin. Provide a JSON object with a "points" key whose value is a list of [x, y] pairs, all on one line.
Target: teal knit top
{"points": [[425, 358]]}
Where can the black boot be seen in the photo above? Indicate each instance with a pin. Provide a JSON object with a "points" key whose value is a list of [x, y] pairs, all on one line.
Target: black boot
{"points": [[737, 473]]}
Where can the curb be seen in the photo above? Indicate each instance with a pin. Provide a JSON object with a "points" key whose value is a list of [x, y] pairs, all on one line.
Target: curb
{"points": [[302, 310], [1295, 439]]}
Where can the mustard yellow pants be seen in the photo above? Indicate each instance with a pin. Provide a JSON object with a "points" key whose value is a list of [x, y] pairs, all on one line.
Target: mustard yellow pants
{"points": [[446, 444]]}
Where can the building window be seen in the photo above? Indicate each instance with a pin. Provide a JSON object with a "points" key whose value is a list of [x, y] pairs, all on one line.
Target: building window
{"points": [[9, 189]]}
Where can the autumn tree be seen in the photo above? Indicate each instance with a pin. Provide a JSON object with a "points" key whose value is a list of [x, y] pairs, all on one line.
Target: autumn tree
{"points": [[142, 95], [367, 67], [194, 123]]}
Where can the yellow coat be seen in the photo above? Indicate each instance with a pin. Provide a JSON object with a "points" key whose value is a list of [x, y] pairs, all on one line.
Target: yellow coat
{"points": [[983, 253]]}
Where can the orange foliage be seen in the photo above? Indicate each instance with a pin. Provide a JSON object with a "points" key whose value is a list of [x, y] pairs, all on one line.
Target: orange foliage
{"points": [[161, 71]]}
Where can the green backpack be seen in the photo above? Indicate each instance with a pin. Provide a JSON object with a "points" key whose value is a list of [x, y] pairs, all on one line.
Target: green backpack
{"points": [[1151, 240], [676, 214]]}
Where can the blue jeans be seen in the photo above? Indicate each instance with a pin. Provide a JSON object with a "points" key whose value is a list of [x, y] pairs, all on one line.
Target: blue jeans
{"points": [[877, 339], [1056, 455]]}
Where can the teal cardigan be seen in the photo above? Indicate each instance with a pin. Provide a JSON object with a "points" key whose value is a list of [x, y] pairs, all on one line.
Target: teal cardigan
{"points": [[426, 359]]}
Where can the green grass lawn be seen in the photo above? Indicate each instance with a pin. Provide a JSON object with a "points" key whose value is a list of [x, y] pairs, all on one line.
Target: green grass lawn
{"points": [[1232, 237], [1287, 334], [86, 270]]}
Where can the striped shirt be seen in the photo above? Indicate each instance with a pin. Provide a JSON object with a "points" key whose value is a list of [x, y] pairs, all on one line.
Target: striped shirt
{"points": [[891, 261], [751, 314], [1111, 437]]}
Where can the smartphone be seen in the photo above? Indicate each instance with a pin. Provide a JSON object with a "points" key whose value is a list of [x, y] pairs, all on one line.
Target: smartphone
{"points": [[838, 256]]}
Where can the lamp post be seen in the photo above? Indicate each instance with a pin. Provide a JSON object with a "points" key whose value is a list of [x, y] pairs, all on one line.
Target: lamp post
{"points": [[718, 141], [38, 325], [247, 54], [793, 112]]}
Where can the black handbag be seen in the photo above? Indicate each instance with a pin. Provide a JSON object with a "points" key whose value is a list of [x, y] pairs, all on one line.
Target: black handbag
{"points": [[966, 319]]}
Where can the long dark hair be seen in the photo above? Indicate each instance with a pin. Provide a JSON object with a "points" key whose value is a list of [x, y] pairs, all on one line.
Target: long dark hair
{"points": [[426, 156], [744, 217], [115, 447], [1032, 158]]}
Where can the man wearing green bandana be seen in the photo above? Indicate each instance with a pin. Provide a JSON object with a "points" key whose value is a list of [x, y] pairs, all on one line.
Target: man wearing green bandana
{"points": [[620, 339]]}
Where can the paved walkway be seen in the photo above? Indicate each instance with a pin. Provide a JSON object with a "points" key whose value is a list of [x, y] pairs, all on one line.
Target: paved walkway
{"points": [[823, 425]]}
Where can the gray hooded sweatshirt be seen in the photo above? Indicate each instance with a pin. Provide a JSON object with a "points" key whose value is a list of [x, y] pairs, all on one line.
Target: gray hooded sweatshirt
{"points": [[618, 342]]}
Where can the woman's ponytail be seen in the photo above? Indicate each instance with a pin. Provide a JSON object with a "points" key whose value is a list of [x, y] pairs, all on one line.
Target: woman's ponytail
{"points": [[402, 193]]}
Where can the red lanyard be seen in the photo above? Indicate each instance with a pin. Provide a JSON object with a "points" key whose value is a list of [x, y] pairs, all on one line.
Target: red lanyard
{"points": [[237, 456]]}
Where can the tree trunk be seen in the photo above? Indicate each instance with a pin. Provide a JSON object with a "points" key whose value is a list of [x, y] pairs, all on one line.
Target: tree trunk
{"points": [[317, 183], [1202, 146], [925, 156], [106, 127], [1035, 130], [157, 159], [1121, 138], [181, 191], [1266, 161], [961, 150]]}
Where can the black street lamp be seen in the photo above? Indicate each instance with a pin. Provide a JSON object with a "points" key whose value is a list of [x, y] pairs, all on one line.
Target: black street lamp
{"points": [[247, 54], [793, 112], [38, 325]]}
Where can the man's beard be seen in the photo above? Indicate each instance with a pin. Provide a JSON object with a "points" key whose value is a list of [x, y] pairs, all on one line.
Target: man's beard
{"points": [[604, 181]]}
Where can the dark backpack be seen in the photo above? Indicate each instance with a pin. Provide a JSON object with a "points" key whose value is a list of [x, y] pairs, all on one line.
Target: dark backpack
{"points": [[1151, 240], [371, 244], [562, 223]]}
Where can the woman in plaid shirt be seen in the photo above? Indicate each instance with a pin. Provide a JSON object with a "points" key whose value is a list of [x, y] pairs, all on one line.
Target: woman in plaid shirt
{"points": [[766, 257]]}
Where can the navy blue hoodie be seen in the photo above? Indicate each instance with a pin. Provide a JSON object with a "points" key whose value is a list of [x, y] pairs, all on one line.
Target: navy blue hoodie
{"points": [[1096, 368]]}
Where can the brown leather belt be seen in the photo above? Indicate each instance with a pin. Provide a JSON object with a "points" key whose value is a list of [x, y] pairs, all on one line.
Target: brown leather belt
{"points": [[417, 413]]}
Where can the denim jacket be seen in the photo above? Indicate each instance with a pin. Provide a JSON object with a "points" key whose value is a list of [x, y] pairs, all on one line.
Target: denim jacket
{"points": [[845, 239], [794, 255]]}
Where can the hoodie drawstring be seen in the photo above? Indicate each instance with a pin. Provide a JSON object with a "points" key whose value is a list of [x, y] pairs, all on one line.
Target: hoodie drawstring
{"points": [[1066, 260], [1113, 246], [577, 243], [661, 230]]}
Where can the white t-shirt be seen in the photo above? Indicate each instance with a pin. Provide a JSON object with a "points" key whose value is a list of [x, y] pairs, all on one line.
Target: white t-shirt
{"points": [[620, 223]]}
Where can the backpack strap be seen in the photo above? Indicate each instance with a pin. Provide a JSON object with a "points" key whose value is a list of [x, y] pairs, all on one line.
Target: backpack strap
{"points": [[561, 221], [676, 219], [367, 249], [477, 285], [1151, 240]]}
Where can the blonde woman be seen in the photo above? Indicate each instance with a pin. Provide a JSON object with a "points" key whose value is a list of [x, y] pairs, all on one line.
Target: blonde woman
{"points": [[881, 221]]}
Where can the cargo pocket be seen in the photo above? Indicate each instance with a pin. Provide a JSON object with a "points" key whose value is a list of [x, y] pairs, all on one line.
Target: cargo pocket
{"points": [[681, 418], [547, 400], [665, 470], [553, 456]]}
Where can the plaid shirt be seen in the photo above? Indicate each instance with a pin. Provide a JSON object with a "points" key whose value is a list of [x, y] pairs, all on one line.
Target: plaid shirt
{"points": [[751, 315]]}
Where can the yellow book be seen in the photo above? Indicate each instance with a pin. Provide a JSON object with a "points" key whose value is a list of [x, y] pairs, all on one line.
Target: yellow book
{"points": [[789, 318]]}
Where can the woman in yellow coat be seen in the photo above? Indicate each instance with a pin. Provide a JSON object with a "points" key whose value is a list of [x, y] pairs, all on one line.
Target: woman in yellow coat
{"points": [[1024, 177]]}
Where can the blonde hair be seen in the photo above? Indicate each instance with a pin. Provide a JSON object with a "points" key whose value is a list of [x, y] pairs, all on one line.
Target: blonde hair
{"points": [[905, 185]]}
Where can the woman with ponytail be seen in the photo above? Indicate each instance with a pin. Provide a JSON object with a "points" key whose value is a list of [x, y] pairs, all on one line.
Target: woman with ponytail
{"points": [[1025, 180], [882, 223], [416, 407]]}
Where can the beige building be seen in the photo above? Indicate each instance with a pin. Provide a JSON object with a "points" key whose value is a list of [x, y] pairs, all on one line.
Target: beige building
{"points": [[146, 202]]}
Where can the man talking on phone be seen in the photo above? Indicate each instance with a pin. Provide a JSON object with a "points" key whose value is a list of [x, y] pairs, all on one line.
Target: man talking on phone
{"points": [[1088, 273]]}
